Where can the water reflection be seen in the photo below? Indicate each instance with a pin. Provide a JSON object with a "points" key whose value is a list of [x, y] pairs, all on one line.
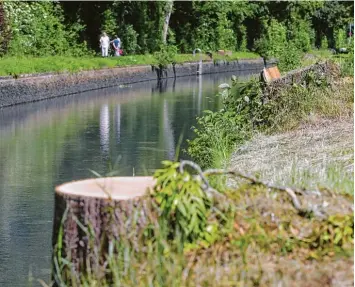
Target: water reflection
{"points": [[168, 132], [105, 129], [47, 143], [118, 123]]}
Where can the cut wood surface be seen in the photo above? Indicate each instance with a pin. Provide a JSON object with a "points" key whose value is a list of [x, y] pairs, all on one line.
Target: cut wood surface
{"points": [[94, 213], [270, 74], [116, 188]]}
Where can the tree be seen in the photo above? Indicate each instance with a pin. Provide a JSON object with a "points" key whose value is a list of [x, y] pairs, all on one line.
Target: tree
{"points": [[167, 13]]}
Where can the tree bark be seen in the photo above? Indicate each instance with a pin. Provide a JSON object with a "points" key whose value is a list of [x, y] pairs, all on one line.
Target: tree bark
{"points": [[167, 10], [91, 215]]}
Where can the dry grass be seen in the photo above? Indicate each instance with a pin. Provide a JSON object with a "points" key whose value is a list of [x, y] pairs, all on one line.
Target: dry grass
{"points": [[318, 154]]}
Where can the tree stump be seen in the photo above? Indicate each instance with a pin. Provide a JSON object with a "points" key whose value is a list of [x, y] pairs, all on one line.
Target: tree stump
{"points": [[90, 215]]}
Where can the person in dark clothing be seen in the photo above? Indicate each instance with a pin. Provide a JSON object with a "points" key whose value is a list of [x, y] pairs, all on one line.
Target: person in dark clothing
{"points": [[116, 42]]}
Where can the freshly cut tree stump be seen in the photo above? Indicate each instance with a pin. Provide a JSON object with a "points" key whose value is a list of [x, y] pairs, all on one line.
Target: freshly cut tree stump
{"points": [[91, 215]]}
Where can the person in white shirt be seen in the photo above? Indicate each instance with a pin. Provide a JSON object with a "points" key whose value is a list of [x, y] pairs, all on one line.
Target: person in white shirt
{"points": [[104, 44]]}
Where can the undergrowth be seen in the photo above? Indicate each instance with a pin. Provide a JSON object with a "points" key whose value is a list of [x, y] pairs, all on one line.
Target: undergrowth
{"points": [[247, 112], [197, 241]]}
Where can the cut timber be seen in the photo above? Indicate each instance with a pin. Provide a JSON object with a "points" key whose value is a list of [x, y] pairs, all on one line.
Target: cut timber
{"points": [[90, 215], [224, 52], [270, 74]]}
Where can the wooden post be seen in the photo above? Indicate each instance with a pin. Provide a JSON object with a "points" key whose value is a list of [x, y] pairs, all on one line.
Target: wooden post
{"points": [[90, 214]]}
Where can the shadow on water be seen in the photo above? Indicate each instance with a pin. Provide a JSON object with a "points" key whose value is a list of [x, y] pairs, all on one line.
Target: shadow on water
{"points": [[46, 143]]}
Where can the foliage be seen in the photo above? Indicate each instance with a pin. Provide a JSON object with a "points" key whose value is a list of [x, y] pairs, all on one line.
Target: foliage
{"points": [[290, 57], [340, 39], [246, 111], [324, 43], [183, 203], [273, 40], [218, 132], [130, 40], [41, 28], [4, 31], [347, 62], [337, 232], [226, 36], [166, 55], [242, 43], [37, 29], [109, 23], [301, 35]]}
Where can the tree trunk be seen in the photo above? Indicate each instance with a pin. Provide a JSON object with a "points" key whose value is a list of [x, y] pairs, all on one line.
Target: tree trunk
{"points": [[91, 215], [167, 10]]}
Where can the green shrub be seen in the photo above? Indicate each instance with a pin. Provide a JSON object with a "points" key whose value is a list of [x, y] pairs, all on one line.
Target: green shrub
{"points": [[37, 29], [340, 39], [242, 43], [218, 132], [129, 40], [226, 37], [109, 23], [347, 62], [184, 205], [302, 36], [324, 43], [273, 40], [290, 57], [166, 55]]}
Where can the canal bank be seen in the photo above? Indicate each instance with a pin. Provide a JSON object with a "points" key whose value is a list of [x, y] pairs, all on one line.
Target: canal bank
{"points": [[36, 87]]}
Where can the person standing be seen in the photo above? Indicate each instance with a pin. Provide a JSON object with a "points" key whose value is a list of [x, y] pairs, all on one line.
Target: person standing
{"points": [[116, 45], [104, 44]]}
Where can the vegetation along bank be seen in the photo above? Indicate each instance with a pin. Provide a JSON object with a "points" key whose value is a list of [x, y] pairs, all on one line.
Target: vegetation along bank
{"points": [[260, 219], [64, 36]]}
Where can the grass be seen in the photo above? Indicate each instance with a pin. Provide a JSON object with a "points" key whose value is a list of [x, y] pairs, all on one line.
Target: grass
{"points": [[30, 65], [314, 156], [346, 61]]}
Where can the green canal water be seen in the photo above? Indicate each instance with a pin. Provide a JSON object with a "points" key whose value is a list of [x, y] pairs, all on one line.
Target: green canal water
{"points": [[127, 129]]}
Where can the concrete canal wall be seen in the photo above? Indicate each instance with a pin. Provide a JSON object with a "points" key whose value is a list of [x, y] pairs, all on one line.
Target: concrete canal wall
{"points": [[29, 88]]}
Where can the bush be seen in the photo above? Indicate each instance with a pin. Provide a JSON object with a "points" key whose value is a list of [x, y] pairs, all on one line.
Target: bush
{"points": [[301, 35], [109, 23], [37, 29], [340, 39], [290, 57], [324, 43], [166, 55], [272, 41], [129, 40], [218, 132]]}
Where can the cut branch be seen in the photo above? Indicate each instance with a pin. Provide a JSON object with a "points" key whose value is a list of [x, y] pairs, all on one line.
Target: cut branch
{"points": [[291, 192]]}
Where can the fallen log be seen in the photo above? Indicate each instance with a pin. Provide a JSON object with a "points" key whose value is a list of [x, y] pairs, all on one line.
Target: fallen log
{"points": [[90, 215]]}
